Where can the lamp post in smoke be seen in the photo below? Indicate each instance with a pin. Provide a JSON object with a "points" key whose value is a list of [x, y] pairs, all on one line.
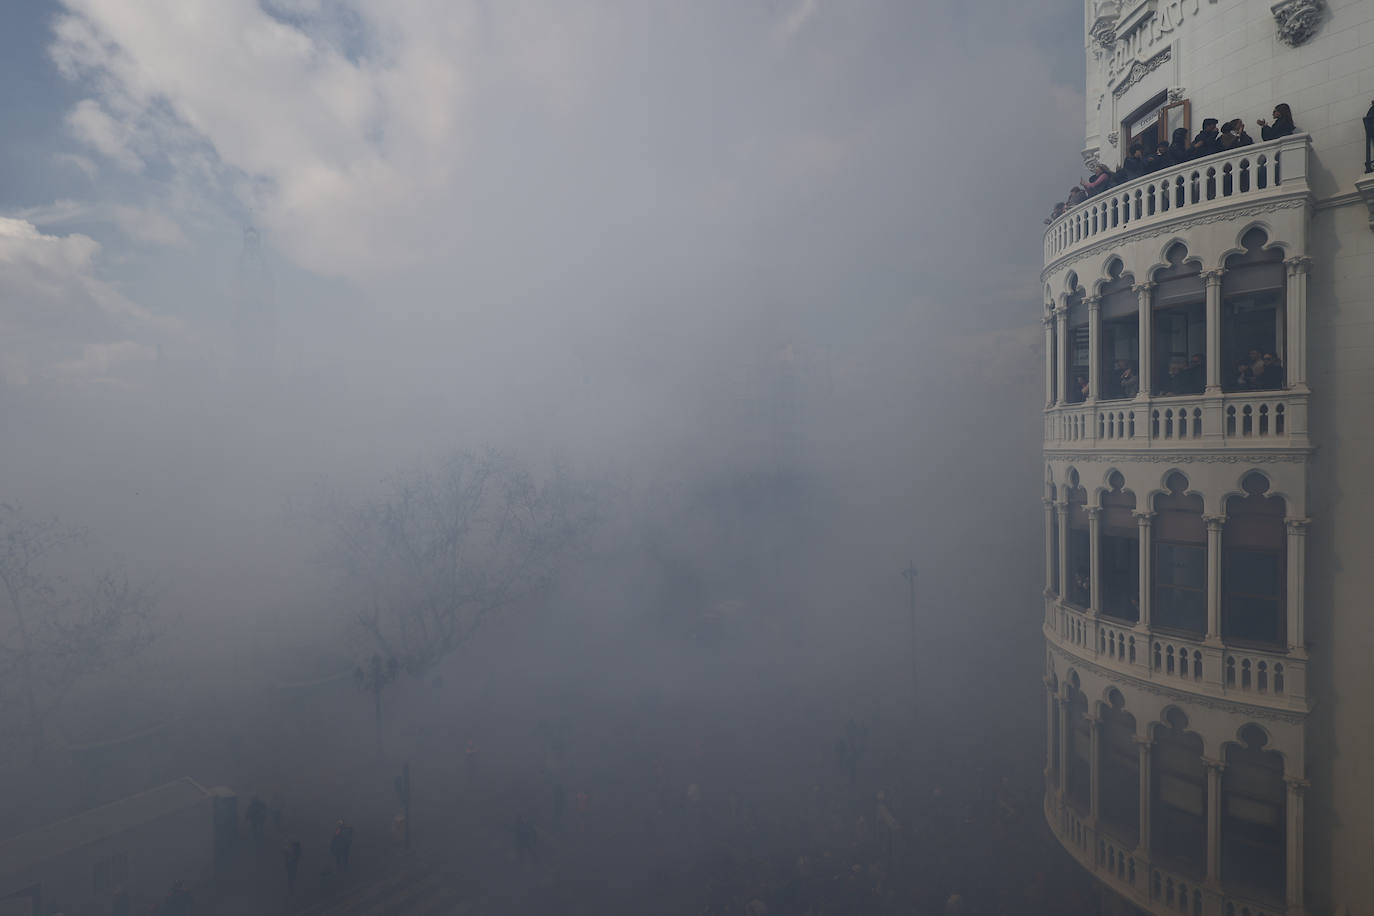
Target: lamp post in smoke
{"points": [[910, 575]]}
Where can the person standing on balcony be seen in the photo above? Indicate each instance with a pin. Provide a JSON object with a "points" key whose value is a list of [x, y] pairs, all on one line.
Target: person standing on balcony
{"points": [[1283, 123], [1161, 159], [1134, 166], [1127, 380], [1272, 377], [1233, 134], [1100, 181], [1207, 141], [1076, 196], [1179, 152]]}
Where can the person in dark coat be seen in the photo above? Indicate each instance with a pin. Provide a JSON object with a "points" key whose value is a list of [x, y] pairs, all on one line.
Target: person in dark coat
{"points": [[1100, 180], [1272, 377], [291, 857], [1161, 159], [1134, 166], [1207, 141], [1179, 151], [256, 814], [1233, 134], [1283, 123], [341, 844]]}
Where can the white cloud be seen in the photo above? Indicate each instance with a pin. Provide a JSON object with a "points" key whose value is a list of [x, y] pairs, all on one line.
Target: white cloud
{"points": [[60, 321], [343, 126], [144, 224], [93, 126]]}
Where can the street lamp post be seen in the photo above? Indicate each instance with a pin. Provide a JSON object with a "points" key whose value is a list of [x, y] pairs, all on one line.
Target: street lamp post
{"points": [[910, 575], [1369, 140]]}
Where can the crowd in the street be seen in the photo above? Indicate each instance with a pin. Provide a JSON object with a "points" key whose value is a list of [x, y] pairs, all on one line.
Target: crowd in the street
{"points": [[1214, 137]]}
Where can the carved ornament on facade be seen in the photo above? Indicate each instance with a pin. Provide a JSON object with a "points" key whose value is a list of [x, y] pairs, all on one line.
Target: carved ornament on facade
{"points": [[1141, 69], [1296, 21], [1090, 156], [1138, 37], [1113, 137], [1177, 94]]}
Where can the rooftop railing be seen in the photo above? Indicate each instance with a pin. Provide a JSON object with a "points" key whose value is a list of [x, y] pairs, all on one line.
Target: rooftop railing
{"points": [[1247, 173]]}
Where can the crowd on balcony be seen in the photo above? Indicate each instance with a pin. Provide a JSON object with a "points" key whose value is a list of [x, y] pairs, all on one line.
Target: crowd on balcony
{"points": [[1215, 137], [1257, 372]]}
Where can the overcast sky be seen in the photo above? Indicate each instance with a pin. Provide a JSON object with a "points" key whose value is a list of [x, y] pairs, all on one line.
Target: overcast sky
{"points": [[572, 226]]}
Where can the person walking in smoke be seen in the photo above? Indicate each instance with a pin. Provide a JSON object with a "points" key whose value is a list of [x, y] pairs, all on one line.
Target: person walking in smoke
{"points": [[291, 858], [256, 815], [341, 844]]}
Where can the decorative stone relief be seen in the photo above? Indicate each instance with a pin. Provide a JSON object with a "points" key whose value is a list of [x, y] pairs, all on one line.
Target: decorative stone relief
{"points": [[1139, 70], [1090, 156], [1297, 20], [1113, 137], [1177, 94], [1279, 456]]}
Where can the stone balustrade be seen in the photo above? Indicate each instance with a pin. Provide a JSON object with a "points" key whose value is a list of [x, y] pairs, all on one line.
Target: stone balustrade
{"points": [[1272, 678], [1236, 177], [1275, 418]]}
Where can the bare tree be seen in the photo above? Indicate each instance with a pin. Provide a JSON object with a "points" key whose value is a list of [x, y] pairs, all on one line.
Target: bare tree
{"points": [[443, 550], [53, 633]]}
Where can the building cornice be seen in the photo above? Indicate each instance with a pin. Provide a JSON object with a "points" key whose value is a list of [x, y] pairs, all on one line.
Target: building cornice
{"points": [[1184, 456]]}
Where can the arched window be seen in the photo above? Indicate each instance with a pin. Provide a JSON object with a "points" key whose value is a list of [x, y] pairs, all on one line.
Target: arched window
{"points": [[1178, 808], [1119, 558], [1180, 326], [1253, 817], [1254, 566], [1053, 546], [1120, 348], [1119, 799], [1078, 781], [1178, 595], [1078, 351], [1252, 316], [1079, 546]]}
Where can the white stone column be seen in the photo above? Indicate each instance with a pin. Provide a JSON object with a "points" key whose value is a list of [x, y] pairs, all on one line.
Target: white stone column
{"points": [[1095, 768], [1144, 524], [1063, 705], [1146, 331], [1295, 324], [1213, 280], [1297, 565], [1214, 771], [1094, 348], [1143, 745], [1061, 324], [1297, 787], [1214, 526], [1049, 359], [1094, 563], [1063, 510], [1050, 545], [1051, 713]]}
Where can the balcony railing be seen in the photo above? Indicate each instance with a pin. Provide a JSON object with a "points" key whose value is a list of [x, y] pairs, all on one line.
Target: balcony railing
{"points": [[1250, 173], [1262, 677], [1262, 418]]}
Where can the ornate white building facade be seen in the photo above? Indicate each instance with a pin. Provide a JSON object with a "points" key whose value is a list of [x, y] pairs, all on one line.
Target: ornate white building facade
{"points": [[1209, 387]]}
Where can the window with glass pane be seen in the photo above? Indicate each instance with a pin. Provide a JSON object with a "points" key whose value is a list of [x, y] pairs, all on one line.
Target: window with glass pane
{"points": [[1252, 596], [1180, 587], [1120, 564], [1080, 569]]}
